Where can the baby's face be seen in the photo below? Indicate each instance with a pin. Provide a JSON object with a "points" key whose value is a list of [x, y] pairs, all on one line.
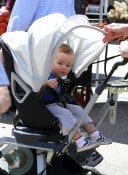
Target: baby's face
{"points": [[62, 64]]}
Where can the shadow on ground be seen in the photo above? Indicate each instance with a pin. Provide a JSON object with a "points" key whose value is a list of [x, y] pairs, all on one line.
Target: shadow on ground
{"points": [[117, 132]]}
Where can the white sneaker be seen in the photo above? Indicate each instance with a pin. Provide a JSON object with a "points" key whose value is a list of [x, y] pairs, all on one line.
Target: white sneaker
{"points": [[88, 145], [102, 140]]}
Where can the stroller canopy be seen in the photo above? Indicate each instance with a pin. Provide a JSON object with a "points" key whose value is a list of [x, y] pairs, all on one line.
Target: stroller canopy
{"points": [[34, 51]]}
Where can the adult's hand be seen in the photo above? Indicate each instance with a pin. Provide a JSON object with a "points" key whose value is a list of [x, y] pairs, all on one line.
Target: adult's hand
{"points": [[115, 31], [5, 99]]}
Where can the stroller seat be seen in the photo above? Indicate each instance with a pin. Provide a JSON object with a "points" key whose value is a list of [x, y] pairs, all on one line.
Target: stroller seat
{"points": [[34, 124]]}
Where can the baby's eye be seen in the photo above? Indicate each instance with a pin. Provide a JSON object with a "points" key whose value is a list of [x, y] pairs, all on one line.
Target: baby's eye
{"points": [[68, 65], [60, 63]]}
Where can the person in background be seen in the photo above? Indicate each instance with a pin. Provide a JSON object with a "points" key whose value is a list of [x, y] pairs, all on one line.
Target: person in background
{"points": [[81, 6], [24, 13], [5, 14], [5, 96], [68, 113], [5, 99], [9, 4]]}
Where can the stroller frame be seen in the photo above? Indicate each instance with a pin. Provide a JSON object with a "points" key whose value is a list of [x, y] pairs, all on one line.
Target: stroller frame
{"points": [[59, 148]]}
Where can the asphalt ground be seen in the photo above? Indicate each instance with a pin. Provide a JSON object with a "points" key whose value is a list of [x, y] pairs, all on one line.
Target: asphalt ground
{"points": [[115, 155]]}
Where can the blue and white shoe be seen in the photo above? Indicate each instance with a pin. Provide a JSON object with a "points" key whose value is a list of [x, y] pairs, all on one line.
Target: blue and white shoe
{"points": [[89, 144], [102, 140]]}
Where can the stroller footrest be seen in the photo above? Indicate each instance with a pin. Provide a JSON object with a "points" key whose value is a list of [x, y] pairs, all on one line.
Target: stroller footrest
{"points": [[35, 141]]}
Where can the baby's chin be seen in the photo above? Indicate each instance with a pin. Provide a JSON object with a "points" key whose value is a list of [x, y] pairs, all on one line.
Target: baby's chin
{"points": [[64, 76], [61, 74]]}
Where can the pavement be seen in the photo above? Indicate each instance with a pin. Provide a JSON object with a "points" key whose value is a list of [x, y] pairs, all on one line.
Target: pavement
{"points": [[115, 155]]}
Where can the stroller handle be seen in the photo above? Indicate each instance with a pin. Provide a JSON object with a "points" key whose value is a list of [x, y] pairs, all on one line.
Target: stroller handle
{"points": [[100, 88], [121, 63]]}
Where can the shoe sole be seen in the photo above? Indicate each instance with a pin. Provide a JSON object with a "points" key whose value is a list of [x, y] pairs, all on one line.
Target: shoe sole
{"points": [[88, 147], [104, 143]]}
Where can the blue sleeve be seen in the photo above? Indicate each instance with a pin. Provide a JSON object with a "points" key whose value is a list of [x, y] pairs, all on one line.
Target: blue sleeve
{"points": [[3, 77], [22, 15]]}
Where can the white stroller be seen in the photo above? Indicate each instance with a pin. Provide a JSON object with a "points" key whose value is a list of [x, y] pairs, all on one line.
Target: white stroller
{"points": [[36, 131]]}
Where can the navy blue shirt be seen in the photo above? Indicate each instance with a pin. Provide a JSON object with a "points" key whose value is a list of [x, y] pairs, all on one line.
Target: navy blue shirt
{"points": [[48, 96]]}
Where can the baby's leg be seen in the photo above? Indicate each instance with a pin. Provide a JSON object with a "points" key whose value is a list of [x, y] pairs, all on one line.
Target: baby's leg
{"points": [[77, 112], [89, 126], [66, 118], [68, 122]]}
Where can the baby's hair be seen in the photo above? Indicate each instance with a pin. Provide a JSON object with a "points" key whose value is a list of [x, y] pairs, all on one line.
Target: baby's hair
{"points": [[65, 48]]}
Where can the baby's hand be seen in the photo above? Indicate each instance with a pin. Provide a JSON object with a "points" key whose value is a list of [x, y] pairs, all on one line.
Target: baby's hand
{"points": [[52, 83]]}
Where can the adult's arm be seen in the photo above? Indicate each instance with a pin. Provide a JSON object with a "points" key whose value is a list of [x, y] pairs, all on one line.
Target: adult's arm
{"points": [[3, 77], [115, 31]]}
